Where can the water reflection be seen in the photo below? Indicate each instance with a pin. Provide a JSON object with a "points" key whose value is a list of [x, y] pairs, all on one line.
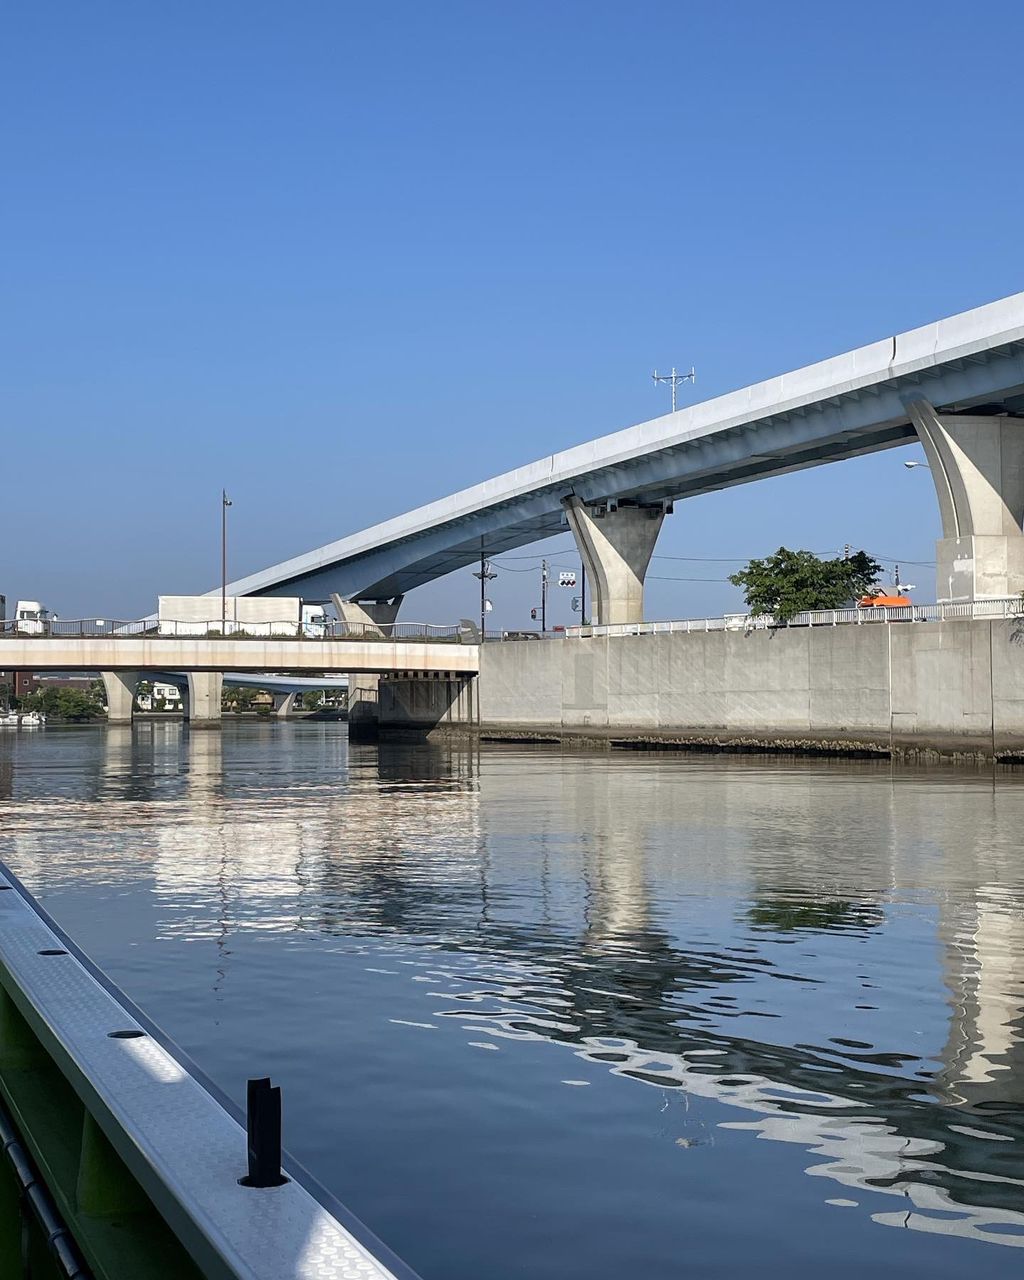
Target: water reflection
{"points": [[832, 953]]}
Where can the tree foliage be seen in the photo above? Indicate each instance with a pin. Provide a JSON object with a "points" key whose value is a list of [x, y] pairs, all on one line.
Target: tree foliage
{"points": [[76, 705], [788, 582], [239, 698]]}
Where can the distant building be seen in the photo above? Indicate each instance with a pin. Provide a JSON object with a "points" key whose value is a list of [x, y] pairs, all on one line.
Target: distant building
{"points": [[164, 697], [56, 681], [20, 683]]}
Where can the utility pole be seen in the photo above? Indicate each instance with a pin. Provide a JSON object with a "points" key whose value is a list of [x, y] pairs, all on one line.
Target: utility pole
{"points": [[225, 502], [543, 596], [675, 380], [485, 573], [583, 592]]}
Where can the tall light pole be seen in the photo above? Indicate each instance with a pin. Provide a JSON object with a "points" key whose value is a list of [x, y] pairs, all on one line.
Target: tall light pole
{"points": [[225, 502], [675, 380], [543, 596]]}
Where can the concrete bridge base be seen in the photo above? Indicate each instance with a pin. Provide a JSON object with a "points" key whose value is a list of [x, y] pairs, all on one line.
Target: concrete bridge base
{"points": [[363, 700], [368, 617], [616, 542], [202, 698], [284, 704], [977, 464], [410, 703], [119, 690]]}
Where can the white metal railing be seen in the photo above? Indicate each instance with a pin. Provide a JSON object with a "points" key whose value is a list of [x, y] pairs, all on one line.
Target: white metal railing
{"points": [[216, 629], [1003, 607]]}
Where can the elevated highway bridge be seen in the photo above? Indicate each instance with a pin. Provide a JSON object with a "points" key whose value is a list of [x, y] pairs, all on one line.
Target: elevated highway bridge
{"points": [[956, 385]]}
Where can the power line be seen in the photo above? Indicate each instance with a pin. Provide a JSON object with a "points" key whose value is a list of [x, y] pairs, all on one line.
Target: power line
{"points": [[662, 577], [918, 564]]}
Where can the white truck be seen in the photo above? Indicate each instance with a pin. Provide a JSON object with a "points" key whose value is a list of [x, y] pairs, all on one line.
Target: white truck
{"points": [[248, 615], [32, 618]]}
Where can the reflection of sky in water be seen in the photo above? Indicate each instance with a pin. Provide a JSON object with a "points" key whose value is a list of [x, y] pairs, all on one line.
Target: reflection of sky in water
{"points": [[828, 955]]}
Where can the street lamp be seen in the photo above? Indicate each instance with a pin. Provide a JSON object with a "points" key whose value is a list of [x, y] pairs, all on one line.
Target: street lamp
{"points": [[910, 465], [225, 502]]}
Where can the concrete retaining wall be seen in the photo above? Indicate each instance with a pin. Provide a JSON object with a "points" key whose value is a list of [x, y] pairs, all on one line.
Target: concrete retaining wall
{"points": [[955, 688]]}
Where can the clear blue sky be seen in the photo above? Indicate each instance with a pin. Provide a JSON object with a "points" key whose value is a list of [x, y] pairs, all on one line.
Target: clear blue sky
{"points": [[347, 258]]}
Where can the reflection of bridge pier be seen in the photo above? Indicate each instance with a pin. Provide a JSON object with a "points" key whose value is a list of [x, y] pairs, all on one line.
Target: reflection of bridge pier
{"points": [[983, 951], [618, 907], [973, 869]]}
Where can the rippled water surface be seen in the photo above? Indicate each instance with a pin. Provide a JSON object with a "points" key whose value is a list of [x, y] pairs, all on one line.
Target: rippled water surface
{"points": [[550, 1015]]}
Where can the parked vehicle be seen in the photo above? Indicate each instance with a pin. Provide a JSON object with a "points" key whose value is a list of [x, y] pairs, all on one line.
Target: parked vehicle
{"points": [[314, 622], [883, 601], [32, 618]]}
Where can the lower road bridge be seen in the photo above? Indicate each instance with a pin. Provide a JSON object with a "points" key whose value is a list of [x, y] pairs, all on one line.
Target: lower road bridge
{"points": [[202, 662]]}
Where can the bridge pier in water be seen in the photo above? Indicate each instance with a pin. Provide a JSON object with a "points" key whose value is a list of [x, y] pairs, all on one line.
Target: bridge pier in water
{"points": [[977, 464], [202, 697], [284, 704], [119, 691], [363, 703], [615, 541]]}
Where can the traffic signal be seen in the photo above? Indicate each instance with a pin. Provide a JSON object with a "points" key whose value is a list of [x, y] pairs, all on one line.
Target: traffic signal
{"points": [[533, 614], [575, 604]]}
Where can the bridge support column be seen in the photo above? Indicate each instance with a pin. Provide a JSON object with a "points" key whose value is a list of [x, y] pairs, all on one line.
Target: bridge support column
{"points": [[977, 464], [363, 706], [368, 617], [284, 704], [202, 699], [119, 690], [615, 541]]}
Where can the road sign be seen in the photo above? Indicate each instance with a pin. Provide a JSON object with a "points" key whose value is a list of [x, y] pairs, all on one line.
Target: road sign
{"points": [[567, 579]]}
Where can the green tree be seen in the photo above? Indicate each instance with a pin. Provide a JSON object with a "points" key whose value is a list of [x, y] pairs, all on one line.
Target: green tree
{"points": [[312, 699], [788, 582], [238, 698], [76, 705]]}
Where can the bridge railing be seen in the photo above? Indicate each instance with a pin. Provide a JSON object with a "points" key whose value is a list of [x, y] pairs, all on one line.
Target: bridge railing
{"points": [[986, 610], [170, 629]]}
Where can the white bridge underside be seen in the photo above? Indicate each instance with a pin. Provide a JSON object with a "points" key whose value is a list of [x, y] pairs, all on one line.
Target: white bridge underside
{"points": [[852, 404]]}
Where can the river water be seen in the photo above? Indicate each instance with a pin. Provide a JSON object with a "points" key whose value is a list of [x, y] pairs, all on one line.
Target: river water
{"points": [[540, 1014]]}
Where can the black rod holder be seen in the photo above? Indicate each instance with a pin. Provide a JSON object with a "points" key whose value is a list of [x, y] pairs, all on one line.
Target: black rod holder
{"points": [[263, 1125]]}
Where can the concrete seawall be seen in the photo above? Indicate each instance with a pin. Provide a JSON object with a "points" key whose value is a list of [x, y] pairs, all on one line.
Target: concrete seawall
{"points": [[952, 688]]}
